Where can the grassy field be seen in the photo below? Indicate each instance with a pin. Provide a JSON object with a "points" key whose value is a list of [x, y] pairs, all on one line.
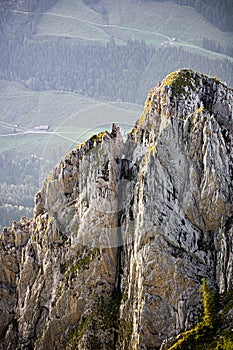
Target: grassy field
{"points": [[28, 108], [56, 25], [173, 20], [150, 21]]}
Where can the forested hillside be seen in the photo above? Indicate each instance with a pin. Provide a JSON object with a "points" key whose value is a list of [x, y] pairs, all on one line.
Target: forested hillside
{"points": [[18, 183], [110, 51], [25, 5], [102, 71]]}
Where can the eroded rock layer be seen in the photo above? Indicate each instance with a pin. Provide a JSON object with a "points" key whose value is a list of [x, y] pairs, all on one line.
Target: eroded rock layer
{"points": [[125, 231]]}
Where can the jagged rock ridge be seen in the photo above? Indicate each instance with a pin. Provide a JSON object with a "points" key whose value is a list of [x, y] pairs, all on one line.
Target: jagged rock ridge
{"points": [[124, 232]]}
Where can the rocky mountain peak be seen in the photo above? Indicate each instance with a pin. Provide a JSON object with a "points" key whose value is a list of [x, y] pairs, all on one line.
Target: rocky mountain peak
{"points": [[125, 233]]}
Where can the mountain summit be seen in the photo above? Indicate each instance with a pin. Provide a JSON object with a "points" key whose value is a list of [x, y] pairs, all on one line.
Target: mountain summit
{"points": [[130, 246]]}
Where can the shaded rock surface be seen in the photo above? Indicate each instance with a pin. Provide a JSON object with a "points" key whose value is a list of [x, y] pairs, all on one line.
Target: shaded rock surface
{"points": [[124, 231]]}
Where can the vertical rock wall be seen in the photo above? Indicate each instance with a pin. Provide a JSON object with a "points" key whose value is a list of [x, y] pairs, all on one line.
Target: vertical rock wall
{"points": [[124, 232], [179, 211]]}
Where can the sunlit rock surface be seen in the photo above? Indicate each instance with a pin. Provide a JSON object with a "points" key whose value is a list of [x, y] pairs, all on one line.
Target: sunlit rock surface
{"points": [[124, 231]]}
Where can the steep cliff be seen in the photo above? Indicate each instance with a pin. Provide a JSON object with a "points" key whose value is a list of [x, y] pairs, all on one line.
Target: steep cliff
{"points": [[131, 241]]}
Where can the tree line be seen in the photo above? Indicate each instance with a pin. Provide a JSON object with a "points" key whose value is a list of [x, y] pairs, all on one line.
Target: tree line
{"points": [[214, 46], [101, 71], [26, 5], [19, 182]]}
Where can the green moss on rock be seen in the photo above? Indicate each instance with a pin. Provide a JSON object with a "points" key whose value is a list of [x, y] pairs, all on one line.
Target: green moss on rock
{"points": [[77, 263], [203, 333], [180, 79]]}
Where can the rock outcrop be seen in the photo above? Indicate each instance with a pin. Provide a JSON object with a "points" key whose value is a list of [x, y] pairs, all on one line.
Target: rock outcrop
{"points": [[125, 231]]}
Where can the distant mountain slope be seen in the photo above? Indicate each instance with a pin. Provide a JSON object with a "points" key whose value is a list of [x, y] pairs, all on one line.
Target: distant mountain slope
{"points": [[151, 21], [93, 49], [218, 12]]}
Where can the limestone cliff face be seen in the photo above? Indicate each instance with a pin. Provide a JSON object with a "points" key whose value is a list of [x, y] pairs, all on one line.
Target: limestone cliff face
{"points": [[125, 231], [181, 204]]}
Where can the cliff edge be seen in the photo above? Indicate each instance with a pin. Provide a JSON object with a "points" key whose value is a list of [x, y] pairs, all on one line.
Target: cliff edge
{"points": [[131, 244]]}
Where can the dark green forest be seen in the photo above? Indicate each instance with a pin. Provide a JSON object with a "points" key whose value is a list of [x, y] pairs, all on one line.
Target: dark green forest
{"points": [[102, 71], [18, 184], [25, 5]]}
